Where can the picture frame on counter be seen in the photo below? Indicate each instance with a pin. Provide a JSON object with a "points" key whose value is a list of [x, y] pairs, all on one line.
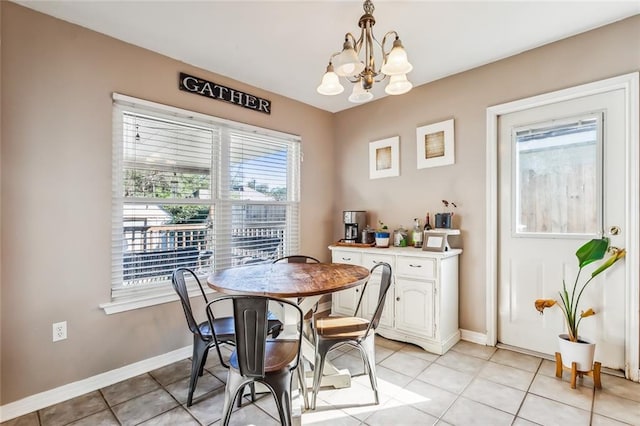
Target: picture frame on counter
{"points": [[434, 241], [435, 144], [384, 158]]}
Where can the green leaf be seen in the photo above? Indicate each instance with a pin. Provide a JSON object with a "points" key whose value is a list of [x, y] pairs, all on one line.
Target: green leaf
{"points": [[592, 251]]}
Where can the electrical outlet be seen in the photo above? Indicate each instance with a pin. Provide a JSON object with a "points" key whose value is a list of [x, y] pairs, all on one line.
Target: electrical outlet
{"points": [[59, 331]]}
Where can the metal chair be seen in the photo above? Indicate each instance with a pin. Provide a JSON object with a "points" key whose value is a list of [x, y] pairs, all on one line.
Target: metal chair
{"points": [[334, 331], [203, 337], [257, 358]]}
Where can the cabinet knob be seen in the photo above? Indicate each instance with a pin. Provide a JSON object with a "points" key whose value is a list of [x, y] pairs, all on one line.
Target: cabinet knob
{"points": [[346, 258], [415, 266], [398, 298]]}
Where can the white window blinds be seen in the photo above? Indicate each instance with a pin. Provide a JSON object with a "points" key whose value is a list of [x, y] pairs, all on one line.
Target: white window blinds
{"points": [[199, 192]]}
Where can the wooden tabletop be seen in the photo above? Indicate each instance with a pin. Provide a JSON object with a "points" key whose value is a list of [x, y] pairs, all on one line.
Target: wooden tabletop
{"points": [[288, 279]]}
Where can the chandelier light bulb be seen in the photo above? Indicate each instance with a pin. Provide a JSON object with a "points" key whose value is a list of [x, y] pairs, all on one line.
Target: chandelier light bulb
{"points": [[330, 83], [359, 95], [347, 62], [396, 62], [398, 85]]}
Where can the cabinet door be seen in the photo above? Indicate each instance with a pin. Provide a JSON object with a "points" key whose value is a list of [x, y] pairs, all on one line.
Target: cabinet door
{"points": [[371, 301], [344, 302], [415, 306]]}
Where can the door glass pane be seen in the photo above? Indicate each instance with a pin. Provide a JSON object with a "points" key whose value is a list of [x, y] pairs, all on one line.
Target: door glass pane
{"points": [[558, 178]]}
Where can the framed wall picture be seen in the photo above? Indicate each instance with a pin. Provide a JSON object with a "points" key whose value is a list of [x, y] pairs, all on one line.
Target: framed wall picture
{"points": [[435, 144], [384, 158], [433, 241]]}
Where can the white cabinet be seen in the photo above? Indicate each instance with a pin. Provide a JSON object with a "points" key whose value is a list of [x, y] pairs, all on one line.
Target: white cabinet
{"points": [[422, 304]]}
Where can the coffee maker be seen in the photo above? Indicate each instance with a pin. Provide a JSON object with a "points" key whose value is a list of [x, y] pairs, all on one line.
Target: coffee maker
{"points": [[354, 222]]}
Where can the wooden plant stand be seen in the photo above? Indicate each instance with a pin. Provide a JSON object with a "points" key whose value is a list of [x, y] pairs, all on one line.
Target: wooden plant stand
{"points": [[594, 373]]}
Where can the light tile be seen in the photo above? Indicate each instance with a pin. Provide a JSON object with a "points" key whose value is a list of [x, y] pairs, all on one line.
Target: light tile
{"points": [[505, 375], [207, 383], [519, 421], [73, 409], [547, 412], [598, 420], [461, 362], [398, 414], [250, 415], [144, 407], [382, 353], [425, 397], [172, 372], [498, 396], [467, 412], [353, 363], [394, 345], [30, 419], [445, 378], [127, 389], [618, 386], [472, 349], [622, 409], [547, 368], [560, 391], [405, 363], [389, 382], [326, 416], [517, 360], [102, 418], [208, 409], [177, 416], [418, 352]]}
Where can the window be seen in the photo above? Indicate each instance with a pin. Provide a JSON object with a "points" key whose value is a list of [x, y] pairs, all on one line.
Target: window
{"points": [[196, 191], [558, 176]]}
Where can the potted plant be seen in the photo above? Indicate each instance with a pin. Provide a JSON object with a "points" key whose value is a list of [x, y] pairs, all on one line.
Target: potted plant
{"points": [[574, 347], [382, 235]]}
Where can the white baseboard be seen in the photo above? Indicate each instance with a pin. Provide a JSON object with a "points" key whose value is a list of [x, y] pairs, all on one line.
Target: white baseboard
{"points": [[72, 390], [473, 337]]}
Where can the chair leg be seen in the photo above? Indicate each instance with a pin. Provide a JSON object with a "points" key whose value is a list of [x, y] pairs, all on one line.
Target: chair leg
{"points": [[322, 348], [200, 348], [235, 384], [280, 386], [367, 349], [303, 384]]}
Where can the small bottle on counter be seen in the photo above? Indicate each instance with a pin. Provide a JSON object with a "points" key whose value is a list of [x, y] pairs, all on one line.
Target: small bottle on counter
{"points": [[427, 223], [417, 233]]}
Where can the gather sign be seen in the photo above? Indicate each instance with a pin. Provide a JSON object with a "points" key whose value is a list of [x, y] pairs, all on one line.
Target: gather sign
{"points": [[202, 87]]}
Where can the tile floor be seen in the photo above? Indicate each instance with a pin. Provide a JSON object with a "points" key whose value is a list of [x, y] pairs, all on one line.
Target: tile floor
{"points": [[469, 385]]}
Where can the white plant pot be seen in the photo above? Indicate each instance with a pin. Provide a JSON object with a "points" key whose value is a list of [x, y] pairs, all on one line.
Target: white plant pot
{"points": [[580, 352]]}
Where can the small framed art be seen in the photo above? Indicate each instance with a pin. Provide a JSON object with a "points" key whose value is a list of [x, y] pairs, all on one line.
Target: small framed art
{"points": [[435, 144], [384, 158], [433, 241]]}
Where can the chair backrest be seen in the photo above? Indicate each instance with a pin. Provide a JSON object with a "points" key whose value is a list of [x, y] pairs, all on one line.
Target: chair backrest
{"points": [[385, 283], [180, 286], [298, 258], [251, 325]]}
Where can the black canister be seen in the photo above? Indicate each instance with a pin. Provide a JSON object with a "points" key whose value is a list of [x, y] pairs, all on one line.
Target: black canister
{"points": [[368, 236]]}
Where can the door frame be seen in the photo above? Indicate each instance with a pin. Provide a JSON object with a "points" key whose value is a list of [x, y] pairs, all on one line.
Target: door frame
{"points": [[628, 83]]}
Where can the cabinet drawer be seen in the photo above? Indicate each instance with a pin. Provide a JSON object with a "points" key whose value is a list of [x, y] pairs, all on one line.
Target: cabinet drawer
{"points": [[416, 267], [369, 260], [343, 256]]}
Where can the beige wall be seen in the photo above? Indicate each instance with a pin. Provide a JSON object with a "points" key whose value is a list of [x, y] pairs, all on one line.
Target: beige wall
{"points": [[602, 53], [57, 81]]}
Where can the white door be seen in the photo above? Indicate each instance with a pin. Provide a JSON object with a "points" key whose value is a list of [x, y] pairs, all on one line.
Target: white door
{"points": [[561, 182]]}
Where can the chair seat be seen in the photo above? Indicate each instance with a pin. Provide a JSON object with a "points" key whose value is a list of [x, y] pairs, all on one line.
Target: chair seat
{"points": [[340, 327], [279, 354], [224, 328]]}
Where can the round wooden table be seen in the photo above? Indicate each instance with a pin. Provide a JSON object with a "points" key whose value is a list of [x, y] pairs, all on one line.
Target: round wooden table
{"points": [[288, 279], [305, 281]]}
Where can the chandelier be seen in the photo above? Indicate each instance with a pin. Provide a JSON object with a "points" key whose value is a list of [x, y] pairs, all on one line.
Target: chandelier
{"points": [[363, 73]]}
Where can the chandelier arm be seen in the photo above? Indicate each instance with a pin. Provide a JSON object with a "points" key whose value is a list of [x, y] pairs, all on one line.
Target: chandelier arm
{"points": [[384, 41]]}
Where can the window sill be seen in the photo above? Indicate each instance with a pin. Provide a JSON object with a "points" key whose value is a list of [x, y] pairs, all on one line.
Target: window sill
{"points": [[139, 300]]}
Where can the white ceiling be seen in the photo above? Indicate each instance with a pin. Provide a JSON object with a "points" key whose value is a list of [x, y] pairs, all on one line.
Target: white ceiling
{"points": [[284, 46]]}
